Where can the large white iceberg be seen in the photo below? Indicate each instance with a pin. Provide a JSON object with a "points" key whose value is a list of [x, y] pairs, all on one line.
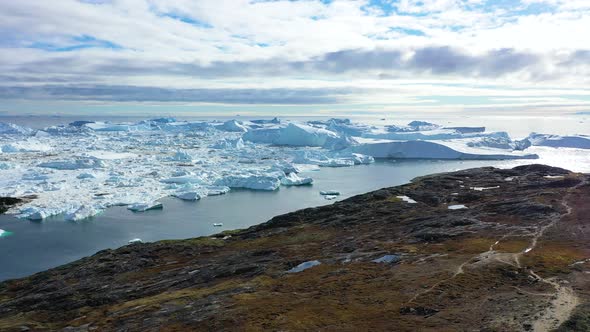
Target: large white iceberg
{"points": [[427, 150], [292, 179], [294, 134], [556, 141]]}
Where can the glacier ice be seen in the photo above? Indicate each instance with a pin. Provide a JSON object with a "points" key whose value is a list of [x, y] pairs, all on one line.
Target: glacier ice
{"points": [[142, 207], [80, 169], [556, 141], [292, 179]]}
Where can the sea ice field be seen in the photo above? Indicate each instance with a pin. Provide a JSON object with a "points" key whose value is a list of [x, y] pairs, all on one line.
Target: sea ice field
{"points": [[89, 171], [80, 169]]}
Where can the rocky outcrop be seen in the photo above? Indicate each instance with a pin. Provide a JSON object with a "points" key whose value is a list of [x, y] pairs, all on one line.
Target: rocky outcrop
{"points": [[482, 249]]}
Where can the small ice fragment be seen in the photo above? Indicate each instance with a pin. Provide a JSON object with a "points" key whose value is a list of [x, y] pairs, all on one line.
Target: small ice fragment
{"points": [[407, 199], [457, 207], [217, 224], [293, 179], [142, 207], [387, 259], [189, 196], [330, 197], [304, 266], [136, 240], [4, 233], [330, 192]]}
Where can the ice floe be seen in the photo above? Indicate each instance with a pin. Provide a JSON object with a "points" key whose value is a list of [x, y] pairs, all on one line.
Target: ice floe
{"points": [[142, 207], [79, 169], [556, 141]]}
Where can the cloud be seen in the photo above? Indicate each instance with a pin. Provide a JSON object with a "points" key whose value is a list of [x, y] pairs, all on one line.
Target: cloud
{"points": [[152, 94]]}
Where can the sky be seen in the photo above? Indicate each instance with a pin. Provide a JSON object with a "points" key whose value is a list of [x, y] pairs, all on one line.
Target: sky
{"points": [[306, 57]]}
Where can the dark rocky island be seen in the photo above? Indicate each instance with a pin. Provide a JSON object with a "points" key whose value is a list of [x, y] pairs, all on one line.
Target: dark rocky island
{"points": [[481, 250]]}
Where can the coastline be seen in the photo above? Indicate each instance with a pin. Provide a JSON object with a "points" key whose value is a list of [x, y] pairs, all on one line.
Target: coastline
{"points": [[377, 256]]}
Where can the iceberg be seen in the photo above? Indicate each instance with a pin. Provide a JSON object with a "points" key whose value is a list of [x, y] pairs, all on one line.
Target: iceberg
{"points": [[135, 241], [294, 134], [188, 196], [330, 192], [250, 181], [83, 212], [81, 163], [13, 129], [427, 150], [292, 179], [142, 207], [227, 144], [233, 126], [500, 143], [26, 146], [555, 141]]}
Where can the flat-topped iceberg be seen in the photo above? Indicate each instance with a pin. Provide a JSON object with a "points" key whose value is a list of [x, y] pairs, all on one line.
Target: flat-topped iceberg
{"points": [[81, 163], [294, 134], [142, 207], [427, 150], [250, 181], [556, 141]]}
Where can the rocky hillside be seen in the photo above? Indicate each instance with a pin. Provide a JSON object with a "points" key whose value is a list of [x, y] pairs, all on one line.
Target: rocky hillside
{"points": [[476, 250]]}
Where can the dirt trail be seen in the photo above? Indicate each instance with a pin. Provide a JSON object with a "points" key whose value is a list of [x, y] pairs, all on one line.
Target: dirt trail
{"points": [[563, 301]]}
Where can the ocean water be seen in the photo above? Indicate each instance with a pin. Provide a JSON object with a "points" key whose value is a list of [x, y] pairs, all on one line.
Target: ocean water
{"points": [[36, 246]]}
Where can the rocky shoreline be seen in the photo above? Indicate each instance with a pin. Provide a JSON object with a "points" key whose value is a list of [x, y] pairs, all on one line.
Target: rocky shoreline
{"points": [[481, 249]]}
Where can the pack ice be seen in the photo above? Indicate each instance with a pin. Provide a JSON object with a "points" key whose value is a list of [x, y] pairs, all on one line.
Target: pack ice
{"points": [[79, 169]]}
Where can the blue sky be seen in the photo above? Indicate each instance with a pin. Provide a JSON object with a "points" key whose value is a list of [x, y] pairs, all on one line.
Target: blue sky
{"points": [[294, 57]]}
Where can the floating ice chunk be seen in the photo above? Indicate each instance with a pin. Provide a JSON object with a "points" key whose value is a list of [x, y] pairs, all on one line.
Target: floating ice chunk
{"points": [[183, 179], [83, 212], [387, 259], [330, 192], [110, 155], [4, 166], [4, 233], [330, 197], [142, 207], [12, 129], [233, 126], [226, 144], [73, 164], [135, 241], [250, 181], [217, 190], [555, 141], [217, 224], [293, 179], [426, 150], [294, 134], [407, 199], [467, 130], [457, 207], [188, 196], [35, 213], [182, 156], [500, 143], [86, 176], [304, 266], [26, 146]]}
